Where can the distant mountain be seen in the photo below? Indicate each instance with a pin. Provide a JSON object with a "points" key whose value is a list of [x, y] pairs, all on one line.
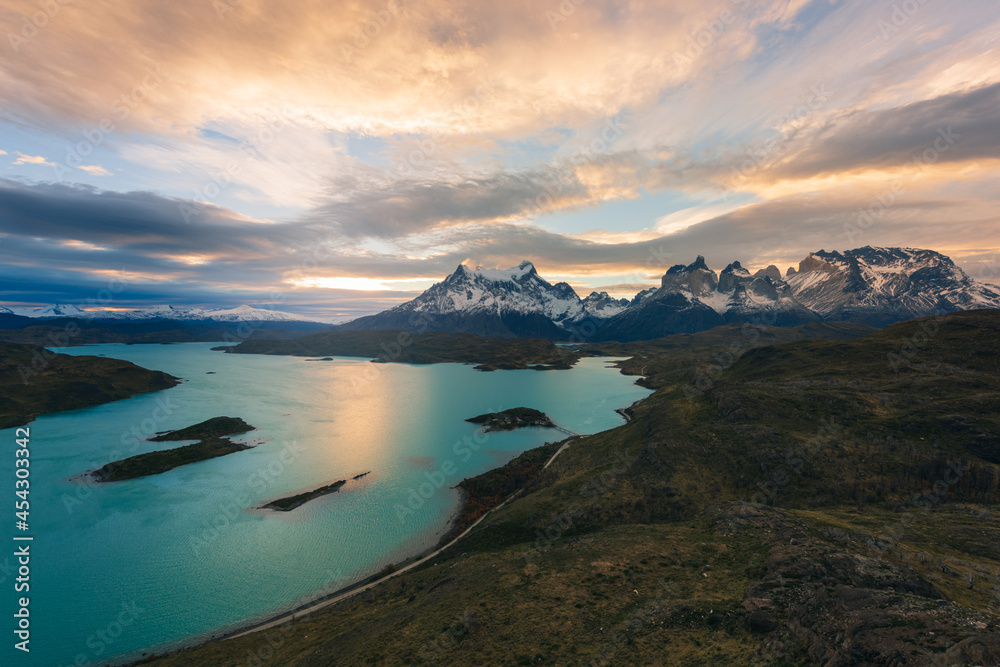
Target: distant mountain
{"points": [[239, 314], [874, 286], [498, 303], [879, 286]]}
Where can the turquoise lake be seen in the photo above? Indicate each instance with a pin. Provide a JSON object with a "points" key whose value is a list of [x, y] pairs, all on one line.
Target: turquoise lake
{"points": [[142, 565]]}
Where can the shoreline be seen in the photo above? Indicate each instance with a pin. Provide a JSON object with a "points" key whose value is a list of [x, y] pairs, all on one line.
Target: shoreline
{"points": [[328, 599], [318, 603]]}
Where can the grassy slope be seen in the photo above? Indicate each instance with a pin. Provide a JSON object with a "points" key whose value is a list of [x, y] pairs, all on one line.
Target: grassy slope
{"points": [[52, 382], [487, 353], [637, 546]]}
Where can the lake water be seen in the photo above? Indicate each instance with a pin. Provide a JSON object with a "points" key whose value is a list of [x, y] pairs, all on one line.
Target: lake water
{"points": [[122, 568]]}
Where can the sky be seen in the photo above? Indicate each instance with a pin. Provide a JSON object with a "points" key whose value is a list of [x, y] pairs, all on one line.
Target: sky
{"points": [[336, 158]]}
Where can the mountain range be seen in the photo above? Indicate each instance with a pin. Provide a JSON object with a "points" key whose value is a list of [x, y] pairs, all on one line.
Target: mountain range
{"points": [[242, 313], [497, 303], [869, 285]]}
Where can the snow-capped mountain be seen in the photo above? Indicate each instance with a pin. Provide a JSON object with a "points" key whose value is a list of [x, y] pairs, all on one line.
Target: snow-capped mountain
{"points": [[239, 314], [875, 286], [495, 302], [600, 306], [879, 286]]}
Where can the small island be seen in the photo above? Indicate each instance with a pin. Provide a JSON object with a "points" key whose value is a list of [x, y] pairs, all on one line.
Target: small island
{"points": [[211, 444], [508, 420], [289, 503]]}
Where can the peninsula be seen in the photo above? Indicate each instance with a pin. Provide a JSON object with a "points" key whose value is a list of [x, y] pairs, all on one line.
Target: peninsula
{"points": [[36, 381]]}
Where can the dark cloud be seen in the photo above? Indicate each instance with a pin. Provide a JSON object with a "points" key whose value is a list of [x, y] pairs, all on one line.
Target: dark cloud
{"points": [[251, 262], [411, 205], [955, 127]]}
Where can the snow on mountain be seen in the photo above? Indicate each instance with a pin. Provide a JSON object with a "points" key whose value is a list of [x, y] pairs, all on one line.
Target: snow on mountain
{"points": [[495, 302], [54, 310], [242, 313], [882, 285], [875, 286], [246, 313], [601, 306], [518, 290]]}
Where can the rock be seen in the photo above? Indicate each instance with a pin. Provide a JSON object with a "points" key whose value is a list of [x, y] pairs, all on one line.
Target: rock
{"points": [[981, 650], [761, 621], [470, 622]]}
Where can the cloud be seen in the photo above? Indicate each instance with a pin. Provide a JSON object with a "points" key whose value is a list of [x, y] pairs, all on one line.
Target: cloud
{"points": [[94, 170], [960, 126], [400, 139], [409, 206], [33, 159]]}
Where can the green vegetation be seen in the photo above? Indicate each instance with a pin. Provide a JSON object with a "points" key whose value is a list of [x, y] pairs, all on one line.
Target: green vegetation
{"points": [[411, 348], [35, 381], [211, 445], [482, 493], [809, 502], [515, 418]]}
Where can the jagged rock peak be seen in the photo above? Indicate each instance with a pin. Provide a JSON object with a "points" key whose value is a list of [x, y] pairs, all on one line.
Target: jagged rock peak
{"points": [[772, 272], [699, 263], [814, 262], [735, 267], [731, 276]]}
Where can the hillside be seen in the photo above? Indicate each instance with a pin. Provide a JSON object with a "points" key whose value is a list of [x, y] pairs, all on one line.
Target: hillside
{"points": [[872, 539], [429, 348], [35, 381], [68, 331]]}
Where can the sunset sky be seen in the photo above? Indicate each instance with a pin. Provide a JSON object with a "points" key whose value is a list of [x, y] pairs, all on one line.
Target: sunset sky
{"points": [[335, 158]]}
